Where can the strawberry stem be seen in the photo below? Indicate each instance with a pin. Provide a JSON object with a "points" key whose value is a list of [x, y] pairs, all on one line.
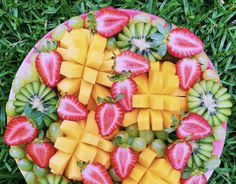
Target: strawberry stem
{"points": [[119, 77]]}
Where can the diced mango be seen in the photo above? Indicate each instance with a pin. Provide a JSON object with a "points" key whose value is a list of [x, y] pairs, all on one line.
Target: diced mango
{"points": [[91, 125], [76, 54], [107, 65], [98, 43], [90, 75], [155, 66], [105, 145], [168, 67], [144, 119], [81, 40], [73, 171], [146, 157], [161, 167], [103, 79], [183, 103], [173, 176], [156, 102], [156, 82], [172, 103], [171, 83], [130, 117], [167, 118], [90, 139], [150, 178], [85, 92], [71, 129], [137, 172], [142, 83], [129, 181], [109, 54], [179, 92], [140, 101], [103, 158], [94, 59], [65, 144], [71, 69], [91, 105], [63, 53], [58, 162], [69, 86], [67, 41], [100, 91], [85, 153], [156, 120]]}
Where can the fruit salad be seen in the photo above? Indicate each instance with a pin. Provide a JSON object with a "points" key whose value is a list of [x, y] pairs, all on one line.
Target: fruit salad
{"points": [[117, 96]]}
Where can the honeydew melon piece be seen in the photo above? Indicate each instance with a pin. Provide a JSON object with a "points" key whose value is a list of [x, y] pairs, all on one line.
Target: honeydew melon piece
{"points": [[105, 145], [76, 54], [130, 117], [168, 67], [167, 118], [71, 69], [142, 83], [66, 144], [171, 83], [103, 79], [107, 65], [67, 41], [156, 120], [90, 75], [81, 39], [90, 139], [85, 153], [103, 158], [129, 181], [156, 82], [161, 167], [91, 125], [171, 103], [137, 172], [100, 91], [151, 178], [85, 92], [156, 102], [72, 171], [146, 157], [140, 101], [173, 177], [71, 129], [69, 86], [108, 54], [91, 105], [144, 119]]}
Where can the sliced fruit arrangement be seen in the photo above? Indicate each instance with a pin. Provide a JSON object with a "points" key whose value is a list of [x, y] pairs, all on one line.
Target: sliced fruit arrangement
{"points": [[113, 97]]}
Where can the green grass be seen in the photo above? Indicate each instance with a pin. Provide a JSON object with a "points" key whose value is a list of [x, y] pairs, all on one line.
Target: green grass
{"points": [[23, 23]]}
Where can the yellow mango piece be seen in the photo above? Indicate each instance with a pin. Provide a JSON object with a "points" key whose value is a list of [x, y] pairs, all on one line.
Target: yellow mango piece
{"points": [[183, 103], [156, 82], [142, 83], [71, 69], [171, 83], [63, 53], [156, 120], [98, 43], [76, 54], [69, 86], [146, 157], [161, 167], [129, 181], [67, 41], [167, 118], [140, 101], [71, 129], [103, 79], [58, 162], [168, 67], [72, 171], [151, 178], [85, 153], [90, 75], [94, 59], [100, 91], [171, 103], [65, 144], [173, 177], [81, 38], [91, 105], [155, 66], [90, 139], [105, 145], [156, 102], [130, 117], [85, 92], [91, 125], [82, 124], [137, 172], [107, 65], [109, 54], [144, 119], [103, 158], [179, 92]]}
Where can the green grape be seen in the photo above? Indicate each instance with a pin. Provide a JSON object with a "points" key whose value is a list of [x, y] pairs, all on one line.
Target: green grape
{"points": [[76, 22], [147, 135], [47, 44], [159, 147], [54, 131], [219, 133], [30, 178], [59, 32], [142, 17], [132, 130], [17, 84], [113, 175], [25, 165], [212, 163], [111, 43], [31, 75], [123, 136], [10, 108], [38, 171], [139, 144], [17, 152], [161, 135]]}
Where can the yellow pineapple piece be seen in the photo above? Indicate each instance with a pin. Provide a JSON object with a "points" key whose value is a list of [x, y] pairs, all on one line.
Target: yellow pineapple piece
{"points": [[167, 118], [109, 54], [161, 167], [105, 145], [72, 171], [103, 158], [130, 117], [137, 172], [71, 69], [81, 39], [156, 82], [144, 119], [71, 129], [58, 162], [103, 79], [76, 54], [151, 178], [91, 105], [168, 67], [173, 177], [142, 83], [69, 86], [100, 91], [67, 41], [156, 102], [172, 103], [91, 125], [85, 92], [90, 75], [85, 153], [171, 83], [107, 65], [129, 181], [65, 144], [140, 101], [156, 120], [146, 157], [90, 139]]}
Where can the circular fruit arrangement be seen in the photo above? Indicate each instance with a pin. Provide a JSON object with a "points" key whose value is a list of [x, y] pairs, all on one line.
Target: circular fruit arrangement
{"points": [[117, 96]]}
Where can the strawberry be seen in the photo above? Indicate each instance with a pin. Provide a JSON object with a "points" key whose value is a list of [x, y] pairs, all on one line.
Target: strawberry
{"points": [[127, 87], [19, 131], [110, 21], [70, 108], [178, 154], [183, 43], [201, 179], [48, 65], [131, 61], [109, 116], [123, 159], [193, 127], [189, 72], [96, 173], [40, 152]]}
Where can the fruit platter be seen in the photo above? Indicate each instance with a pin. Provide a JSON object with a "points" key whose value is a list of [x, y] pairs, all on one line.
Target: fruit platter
{"points": [[117, 96]]}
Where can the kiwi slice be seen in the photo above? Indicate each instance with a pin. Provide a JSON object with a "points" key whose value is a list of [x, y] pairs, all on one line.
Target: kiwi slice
{"points": [[55, 179], [38, 102], [210, 100], [202, 151], [145, 39]]}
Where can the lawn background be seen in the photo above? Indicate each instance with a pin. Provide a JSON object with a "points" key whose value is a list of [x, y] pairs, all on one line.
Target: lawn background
{"points": [[22, 23]]}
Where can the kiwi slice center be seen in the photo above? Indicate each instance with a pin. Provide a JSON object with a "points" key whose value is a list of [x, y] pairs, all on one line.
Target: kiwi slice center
{"points": [[194, 145], [141, 43], [37, 104], [209, 102]]}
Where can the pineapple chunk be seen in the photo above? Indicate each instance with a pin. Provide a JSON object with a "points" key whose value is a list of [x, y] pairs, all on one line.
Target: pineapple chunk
{"points": [[130, 117], [100, 91], [85, 153], [103, 79], [144, 119], [146, 157], [140, 101], [81, 39], [105, 145], [85, 92], [71, 129], [137, 172], [65, 144], [73, 171], [168, 67], [71, 69], [69, 86], [103, 158], [67, 41], [156, 120], [91, 125], [90, 75], [161, 167], [90, 139], [156, 102], [142, 83]]}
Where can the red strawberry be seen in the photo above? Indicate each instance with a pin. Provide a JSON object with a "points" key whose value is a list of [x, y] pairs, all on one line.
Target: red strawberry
{"points": [[40, 152], [48, 65], [183, 43], [193, 127], [127, 87], [96, 173], [130, 61], [109, 117], [110, 21], [178, 154], [70, 108], [19, 131], [189, 72], [123, 159], [201, 179]]}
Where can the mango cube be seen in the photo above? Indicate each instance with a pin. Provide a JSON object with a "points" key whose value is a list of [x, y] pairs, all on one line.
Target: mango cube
{"points": [[140, 101], [85, 153], [167, 118], [105, 145], [155, 66], [73, 171], [161, 167], [94, 59], [71, 129], [107, 65], [103, 158], [91, 105], [103, 79], [100, 91], [142, 83], [71, 69], [171, 83], [81, 39], [152, 179], [76, 54], [156, 82], [67, 41], [156, 120], [65, 144], [90, 75], [85, 92], [63, 53], [130, 117], [69, 86], [144, 119], [137, 172], [173, 177], [146, 157], [91, 125], [172, 103], [98, 43], [156, 102], [90, 139], [109, 54], [129, 181], [168, 67]]}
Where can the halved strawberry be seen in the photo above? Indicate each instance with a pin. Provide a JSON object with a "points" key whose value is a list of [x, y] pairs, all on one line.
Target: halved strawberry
{"points": [[131, 61], [70, 108], [19, 131], [96, 173], [40, 152], [123, 159], [127, 87], [109, 117], [183, 43], [110, 21], [189, 72], [193, 127], [201, 179], [48, 65], [178, 154]]}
